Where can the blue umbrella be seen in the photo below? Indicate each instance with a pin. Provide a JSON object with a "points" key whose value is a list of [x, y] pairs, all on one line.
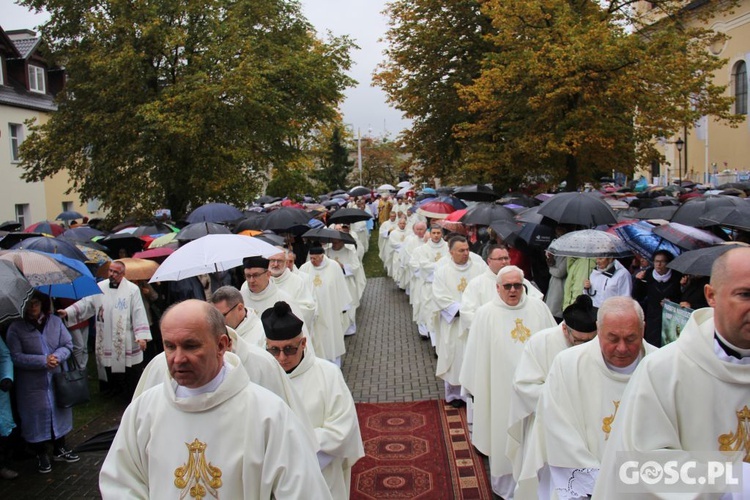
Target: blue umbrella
{"points": [[641, 238], [83, 286], [214, 212], [82, 233]]}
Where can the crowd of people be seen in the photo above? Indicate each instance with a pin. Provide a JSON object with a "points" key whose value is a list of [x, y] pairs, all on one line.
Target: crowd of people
{"points": [[547, 366], [558, 369]]}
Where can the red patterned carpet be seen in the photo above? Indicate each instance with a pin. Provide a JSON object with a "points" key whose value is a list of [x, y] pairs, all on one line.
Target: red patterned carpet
{"points": [[417, 450]]}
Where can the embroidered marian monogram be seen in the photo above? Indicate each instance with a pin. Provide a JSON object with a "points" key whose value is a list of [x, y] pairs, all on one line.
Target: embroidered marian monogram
{"points": [[740, 439], [317, 281], [520, 333], [197, 477], [437, 256], [462, 285], [607, 421]]}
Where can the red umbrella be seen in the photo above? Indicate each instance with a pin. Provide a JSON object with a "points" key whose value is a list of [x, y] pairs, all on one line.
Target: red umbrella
{"points": [[456, 216], [436, 209], [45, 227]]}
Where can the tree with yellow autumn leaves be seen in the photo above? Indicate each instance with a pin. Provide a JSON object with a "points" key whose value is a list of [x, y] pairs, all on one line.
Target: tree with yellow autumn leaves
{"points": [[569, 90]]}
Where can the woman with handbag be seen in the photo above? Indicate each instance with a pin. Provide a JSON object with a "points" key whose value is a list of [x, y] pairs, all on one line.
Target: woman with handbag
{"points": [[39, 344]]}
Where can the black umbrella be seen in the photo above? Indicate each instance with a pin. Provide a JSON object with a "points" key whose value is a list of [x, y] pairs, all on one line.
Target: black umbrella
{"points": [[666, 212], [252, 222], [507, 230], [285, 220], [337, 191], [325, 235], [537, 234], [98, 442], [580, 209], [151, 229], [699, 262], [484, 214], [69, 215], [348, 216], [476, 192], [530, 215], [359, 191], [518, 199], [736, 217], [11, 225], [691, 211], [81, 233], [263, 200], [198, 229], [125, 241], [51, 245], [7, 240], [271, 238]]}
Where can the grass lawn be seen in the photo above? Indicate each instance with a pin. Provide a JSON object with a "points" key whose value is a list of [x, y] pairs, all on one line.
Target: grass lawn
{"points": [[371, 261]]}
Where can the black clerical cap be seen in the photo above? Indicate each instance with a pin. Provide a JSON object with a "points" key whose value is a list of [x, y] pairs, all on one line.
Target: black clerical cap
{"points": [[255, 261], [280, 323], [317, 251], [581, 315]]}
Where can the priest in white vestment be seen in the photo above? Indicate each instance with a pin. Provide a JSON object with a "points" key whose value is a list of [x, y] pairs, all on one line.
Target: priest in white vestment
{"points": [[383, 232], [354, 275], [259, 291], [392, 248], [122, 329], [694, 393], [451, 278], [333, 299], [483, 288], [498, 334], [524, 447], [324, 394], [237, 317], [185, 436], [294, 284], [414, 240], [578, 407], [423, 263]]}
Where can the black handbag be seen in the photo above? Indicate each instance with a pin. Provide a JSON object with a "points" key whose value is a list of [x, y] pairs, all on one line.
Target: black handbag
{"points": [[71, 386]]}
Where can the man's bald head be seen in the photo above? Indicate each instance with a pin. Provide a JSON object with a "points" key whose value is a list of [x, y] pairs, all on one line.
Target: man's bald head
{"points": [[198, 312], [729, 294]]}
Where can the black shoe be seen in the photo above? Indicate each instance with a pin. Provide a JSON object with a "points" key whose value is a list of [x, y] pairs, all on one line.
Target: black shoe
{"points": [[63, 455], [457, 403], [44, 466]]}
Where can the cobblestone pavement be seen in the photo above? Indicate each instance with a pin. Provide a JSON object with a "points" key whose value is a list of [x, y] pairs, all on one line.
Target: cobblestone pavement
{"points": [[386, 361]]}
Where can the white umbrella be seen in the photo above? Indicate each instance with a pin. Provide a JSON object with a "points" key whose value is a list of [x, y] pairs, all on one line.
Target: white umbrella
{"points": [[404, 184], [386, 187], [209, 254], [589, 243]]}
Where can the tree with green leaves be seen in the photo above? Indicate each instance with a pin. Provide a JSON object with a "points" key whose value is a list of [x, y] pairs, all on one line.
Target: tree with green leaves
{"points": [[178, 102], [334, 164], [434, 46], [382, 161]]}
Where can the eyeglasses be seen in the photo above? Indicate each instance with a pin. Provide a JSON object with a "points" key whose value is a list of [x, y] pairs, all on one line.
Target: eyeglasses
{"points": [[499, 258], [231, 309], [573, 339], [277, 261], [515, 286], [254, 276], [288, 350]]}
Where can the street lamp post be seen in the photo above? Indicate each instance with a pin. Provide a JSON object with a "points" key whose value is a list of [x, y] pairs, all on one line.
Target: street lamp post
{"points": [[679, 143]]}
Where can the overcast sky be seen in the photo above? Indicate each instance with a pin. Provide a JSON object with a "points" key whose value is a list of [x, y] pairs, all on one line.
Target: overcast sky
{"points": [[365, 107]]}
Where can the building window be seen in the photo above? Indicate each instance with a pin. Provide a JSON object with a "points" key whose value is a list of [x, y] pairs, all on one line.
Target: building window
{"points": [[22, 214], [740, 88], [36, 79], [16, 138], [67, 206]]}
